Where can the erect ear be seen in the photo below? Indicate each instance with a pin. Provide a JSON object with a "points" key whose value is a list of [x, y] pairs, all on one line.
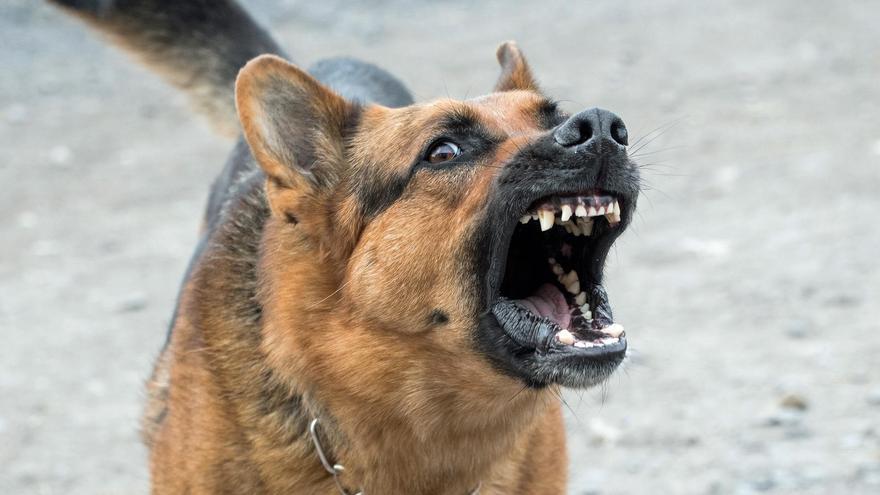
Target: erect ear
{"points": [[515, 72], [294, 126]]}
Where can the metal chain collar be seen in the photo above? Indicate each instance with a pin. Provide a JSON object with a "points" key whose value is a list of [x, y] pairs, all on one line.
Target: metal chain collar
{"points": [[335, 469]]}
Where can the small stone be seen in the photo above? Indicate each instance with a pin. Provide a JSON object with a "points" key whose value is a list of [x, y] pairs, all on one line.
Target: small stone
{"points": [[794, 401]]}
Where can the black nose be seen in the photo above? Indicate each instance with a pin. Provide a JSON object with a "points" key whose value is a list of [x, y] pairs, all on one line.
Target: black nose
{"points": [[592, 128]]}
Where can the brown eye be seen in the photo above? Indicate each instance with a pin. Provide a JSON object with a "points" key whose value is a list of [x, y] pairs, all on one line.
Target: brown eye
{"points": [[443, 152]]}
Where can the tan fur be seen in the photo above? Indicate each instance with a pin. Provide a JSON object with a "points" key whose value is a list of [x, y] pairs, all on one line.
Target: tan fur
{"points": [[345, 332]]}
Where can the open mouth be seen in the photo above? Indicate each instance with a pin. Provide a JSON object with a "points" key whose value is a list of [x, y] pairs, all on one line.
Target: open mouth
{"points": [[551, 302]]}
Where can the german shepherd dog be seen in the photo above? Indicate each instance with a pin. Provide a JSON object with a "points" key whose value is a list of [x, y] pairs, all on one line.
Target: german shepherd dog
{"points": [[387, 295]]}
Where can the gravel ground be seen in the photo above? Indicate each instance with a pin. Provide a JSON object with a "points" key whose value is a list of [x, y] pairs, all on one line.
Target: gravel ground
{"points": [[749, 283]]}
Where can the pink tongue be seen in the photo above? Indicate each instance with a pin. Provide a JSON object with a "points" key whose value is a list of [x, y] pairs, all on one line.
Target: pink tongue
{"points": [[548, 302]]}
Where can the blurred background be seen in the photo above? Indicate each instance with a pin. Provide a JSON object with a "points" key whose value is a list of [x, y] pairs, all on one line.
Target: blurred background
{"points": [[748, 283]]}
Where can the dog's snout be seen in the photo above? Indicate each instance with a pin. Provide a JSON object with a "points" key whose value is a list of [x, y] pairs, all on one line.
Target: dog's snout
{"points": [[591, 128]]}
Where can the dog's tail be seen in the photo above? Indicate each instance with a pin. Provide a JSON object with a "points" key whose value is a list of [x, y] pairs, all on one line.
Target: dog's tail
{"points": [[196, 45]]}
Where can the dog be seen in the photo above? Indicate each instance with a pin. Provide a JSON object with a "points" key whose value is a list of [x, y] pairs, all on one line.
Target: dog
{"points": [[387, 296]]}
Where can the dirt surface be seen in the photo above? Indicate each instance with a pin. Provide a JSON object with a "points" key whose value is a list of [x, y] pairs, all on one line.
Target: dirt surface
{"points": [[748, 284]]}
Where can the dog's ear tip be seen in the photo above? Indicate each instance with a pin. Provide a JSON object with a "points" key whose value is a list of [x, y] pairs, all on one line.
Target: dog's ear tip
{"points": [[263, 64], [515, 72], [507, 49]]}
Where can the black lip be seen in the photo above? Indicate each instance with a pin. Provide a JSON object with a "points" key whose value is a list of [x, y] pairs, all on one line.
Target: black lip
{"points": [[540, 172], [557, 364]]}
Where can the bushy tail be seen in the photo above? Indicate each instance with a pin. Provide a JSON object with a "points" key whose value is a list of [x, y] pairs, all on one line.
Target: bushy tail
{"points": [[196, 45]]}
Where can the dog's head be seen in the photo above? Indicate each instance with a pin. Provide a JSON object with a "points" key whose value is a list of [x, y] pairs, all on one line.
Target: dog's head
{"points": [[463, 240]]}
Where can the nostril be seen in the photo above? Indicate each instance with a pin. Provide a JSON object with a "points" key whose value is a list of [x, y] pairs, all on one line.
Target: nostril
{"points": [[618, 132], [585, 132]]}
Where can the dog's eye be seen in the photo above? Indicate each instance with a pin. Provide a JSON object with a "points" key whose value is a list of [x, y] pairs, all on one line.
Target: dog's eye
{"points": [[443, 151]]}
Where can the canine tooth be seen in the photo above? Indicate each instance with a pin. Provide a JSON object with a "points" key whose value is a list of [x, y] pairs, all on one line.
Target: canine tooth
{"points": [[525, 219], [614, 330], [592, 212], [565, 337], [581, 299], [613, 217], [574, 287], [566, 213], [546, 218], [580, 211], [585, 310]]}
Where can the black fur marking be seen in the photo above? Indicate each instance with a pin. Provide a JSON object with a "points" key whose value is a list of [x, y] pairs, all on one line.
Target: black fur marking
{"points": [[439, 317], [550, 115]]}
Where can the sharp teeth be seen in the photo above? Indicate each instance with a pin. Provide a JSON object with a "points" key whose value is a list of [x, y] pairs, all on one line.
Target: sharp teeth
{"points": [[557, 269], [565, 337], [580, 211], [574, 287], [584, 343], [610, 208], [592, 212], [585, 310], [613, 213], [580, 300], [609, 340], [525, 219], [566, 213], [546, 218], [601, 211], [614, 330], [613, 218]]}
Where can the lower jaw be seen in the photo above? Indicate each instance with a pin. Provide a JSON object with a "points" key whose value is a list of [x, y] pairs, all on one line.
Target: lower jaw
{"points": [[534, 353]]}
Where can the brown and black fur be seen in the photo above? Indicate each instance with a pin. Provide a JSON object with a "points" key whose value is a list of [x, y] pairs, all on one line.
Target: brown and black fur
{"points": [[335, 280]]}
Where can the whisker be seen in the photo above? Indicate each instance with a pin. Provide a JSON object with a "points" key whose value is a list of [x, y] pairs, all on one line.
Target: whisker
{"points": [[653, 138], [662, 126], [661, 150]]}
